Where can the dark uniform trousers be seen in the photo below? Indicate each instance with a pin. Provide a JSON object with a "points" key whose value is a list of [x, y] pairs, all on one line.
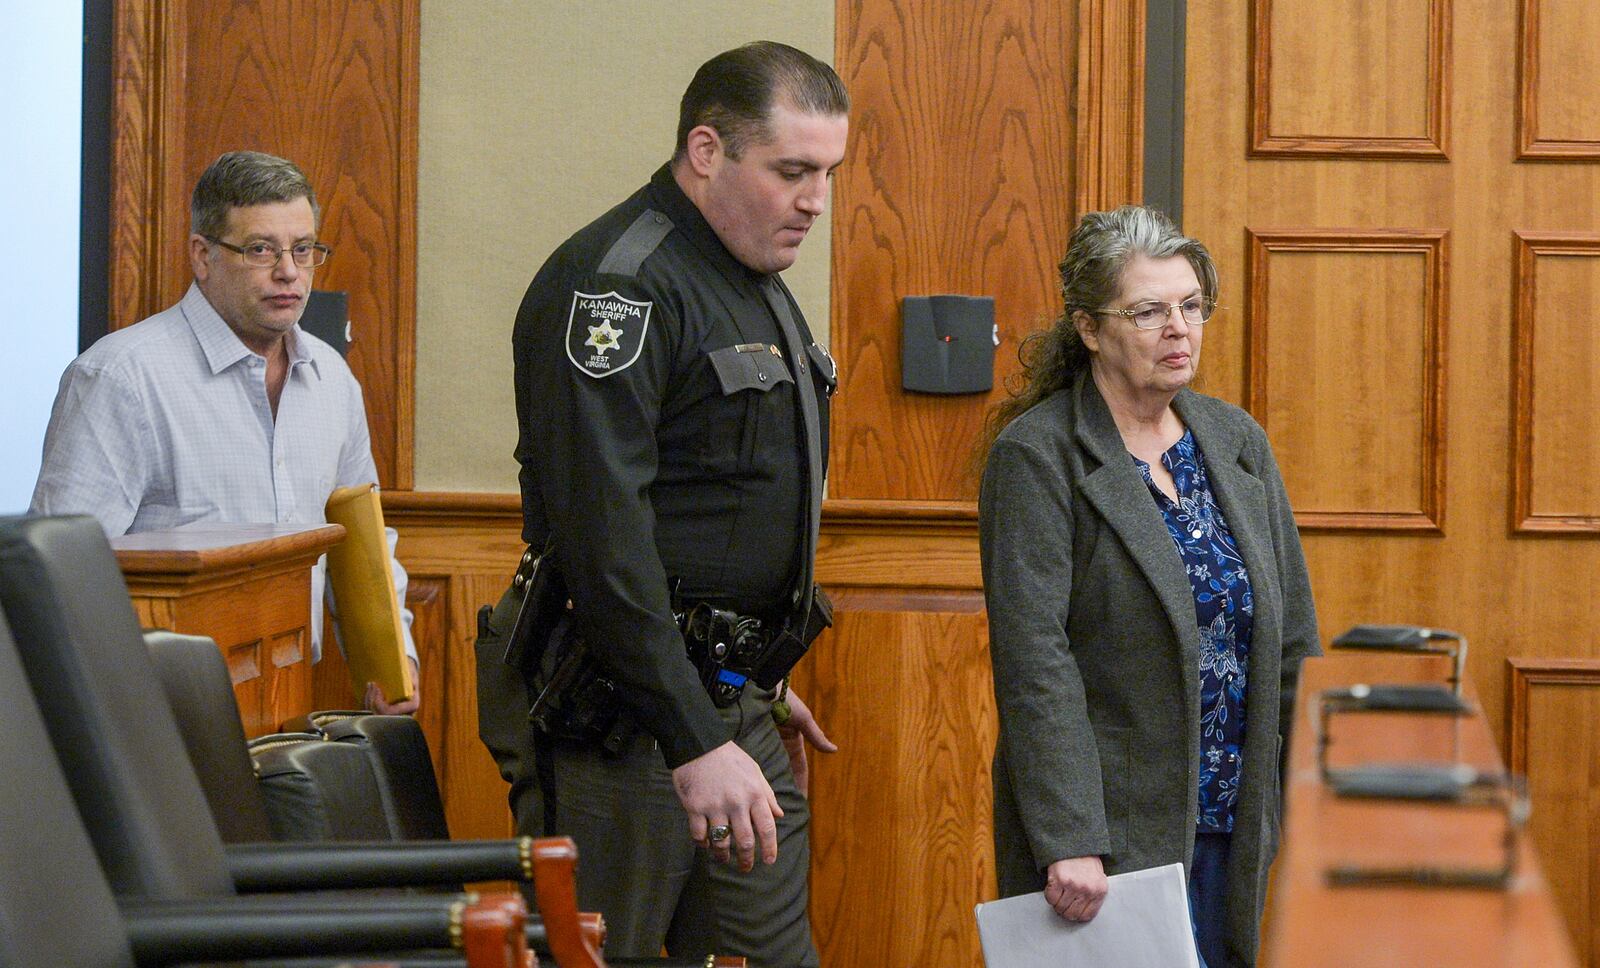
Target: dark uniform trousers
{"points": [[636, 864]]}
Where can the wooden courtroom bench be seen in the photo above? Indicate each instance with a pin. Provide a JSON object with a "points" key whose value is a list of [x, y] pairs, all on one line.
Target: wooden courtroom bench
{"points": [[1313, 923]]}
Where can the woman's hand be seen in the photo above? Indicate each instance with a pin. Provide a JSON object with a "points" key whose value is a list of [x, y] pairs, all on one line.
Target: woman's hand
{"points": [[1076, 887]]}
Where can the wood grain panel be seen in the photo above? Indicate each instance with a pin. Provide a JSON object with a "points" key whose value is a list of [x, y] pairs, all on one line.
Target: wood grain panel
{"points": [[1558, 104], [1383, 72], [959, 179], [476, 805], [901, 815], [262, 628], [1111, 67], [428, 599], [148, 64], [1510, 595], [1314, 387], [1555, 455], [337, 95], [1549, 719]]}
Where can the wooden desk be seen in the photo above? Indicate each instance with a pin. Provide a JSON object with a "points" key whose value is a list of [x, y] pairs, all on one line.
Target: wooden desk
{"points": [[1313, 924], [246, 586]]}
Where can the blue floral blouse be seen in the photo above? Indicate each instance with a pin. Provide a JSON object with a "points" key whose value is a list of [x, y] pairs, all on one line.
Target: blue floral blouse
{"points": [[1224, 609]]}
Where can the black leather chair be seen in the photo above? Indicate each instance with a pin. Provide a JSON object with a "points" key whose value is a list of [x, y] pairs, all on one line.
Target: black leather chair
{"points": [[398, 752], [130, 770], [125, 759], [57, 909], [285, 786]]}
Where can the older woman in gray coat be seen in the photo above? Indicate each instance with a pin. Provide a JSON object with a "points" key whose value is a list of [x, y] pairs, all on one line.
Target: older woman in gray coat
{"points": [[1148, 598]]}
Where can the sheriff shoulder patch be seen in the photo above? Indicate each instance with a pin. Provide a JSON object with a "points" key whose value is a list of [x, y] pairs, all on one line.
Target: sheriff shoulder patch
{"points": [[605, 333]]}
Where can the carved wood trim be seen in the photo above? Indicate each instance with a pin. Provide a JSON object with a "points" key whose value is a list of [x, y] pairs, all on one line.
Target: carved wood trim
{"points": [[484, 509], [148, 62], [1522, 674], [1110, 103], [1524, 306], [1432, 245], [1531, 147], [1434, 143], [405, 292]]}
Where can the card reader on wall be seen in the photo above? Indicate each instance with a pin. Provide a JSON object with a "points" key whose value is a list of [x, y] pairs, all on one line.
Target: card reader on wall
{"points": [[947, 344], [327, 317]]}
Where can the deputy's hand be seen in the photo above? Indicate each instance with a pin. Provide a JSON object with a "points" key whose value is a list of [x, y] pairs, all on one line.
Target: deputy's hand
{"points": [[374, 698], [1076, 887], [802, 728], [725, 786]]}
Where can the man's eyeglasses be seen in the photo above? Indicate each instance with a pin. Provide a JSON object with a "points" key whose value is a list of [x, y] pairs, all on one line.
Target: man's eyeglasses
{"points": [[263, 255], [1154, 315]]}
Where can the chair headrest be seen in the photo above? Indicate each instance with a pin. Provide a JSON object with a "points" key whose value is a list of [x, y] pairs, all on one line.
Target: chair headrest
{"points": [[105, 711]]}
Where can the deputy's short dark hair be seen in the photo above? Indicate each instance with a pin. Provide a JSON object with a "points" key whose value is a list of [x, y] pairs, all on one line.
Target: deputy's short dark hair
{"points": [[241, 178], [734, 93]]}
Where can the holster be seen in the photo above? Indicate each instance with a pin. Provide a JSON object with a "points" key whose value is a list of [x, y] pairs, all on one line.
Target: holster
{"points": [[792, 643], [572, 699]]}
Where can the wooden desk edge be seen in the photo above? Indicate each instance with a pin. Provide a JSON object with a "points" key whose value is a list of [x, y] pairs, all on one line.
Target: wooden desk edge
{"points": [[202, 551]]}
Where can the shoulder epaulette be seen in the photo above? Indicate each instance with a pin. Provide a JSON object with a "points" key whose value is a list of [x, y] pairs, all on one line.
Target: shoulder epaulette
{"points": [[635, 245]]}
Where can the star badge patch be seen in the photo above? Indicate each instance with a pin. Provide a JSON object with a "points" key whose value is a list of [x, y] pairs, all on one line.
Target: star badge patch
{"points": [[605, 333]]}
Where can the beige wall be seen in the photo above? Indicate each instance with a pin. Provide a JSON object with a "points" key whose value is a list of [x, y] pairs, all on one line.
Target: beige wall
{"points": [[536, 117]]}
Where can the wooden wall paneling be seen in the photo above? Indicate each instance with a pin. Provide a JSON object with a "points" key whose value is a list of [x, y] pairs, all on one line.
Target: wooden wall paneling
{"points": [[428, 598], [1554, 454], [959, 179], [148, 64], [1110, 123], [476, 805], [468, 545], [1313, 386], [1512, 593], [337, 95], [1549, 721], [901, 830], [1384, 72], [1558, 97], [902, 814], [262, 631]]}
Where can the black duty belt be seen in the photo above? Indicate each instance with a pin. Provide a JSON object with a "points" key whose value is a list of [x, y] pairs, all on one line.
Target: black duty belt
{"points": [[727, 648]]}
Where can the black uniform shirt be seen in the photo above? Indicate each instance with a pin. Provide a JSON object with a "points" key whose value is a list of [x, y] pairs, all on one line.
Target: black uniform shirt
{"points": [[661, 439]]}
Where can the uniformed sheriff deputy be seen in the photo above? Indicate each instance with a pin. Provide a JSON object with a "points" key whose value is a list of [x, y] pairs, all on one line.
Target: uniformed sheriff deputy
{"points": [[673, 408]]}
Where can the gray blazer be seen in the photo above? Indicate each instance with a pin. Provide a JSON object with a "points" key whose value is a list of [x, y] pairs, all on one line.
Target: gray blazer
{"points": [[1095, 647]]}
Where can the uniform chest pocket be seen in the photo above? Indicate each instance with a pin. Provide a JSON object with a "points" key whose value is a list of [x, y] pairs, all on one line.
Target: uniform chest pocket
{"points": [[747, 374], [749, 366]]}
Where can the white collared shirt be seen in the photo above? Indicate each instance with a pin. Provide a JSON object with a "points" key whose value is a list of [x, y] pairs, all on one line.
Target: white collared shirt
{"points": [[167, 423]]}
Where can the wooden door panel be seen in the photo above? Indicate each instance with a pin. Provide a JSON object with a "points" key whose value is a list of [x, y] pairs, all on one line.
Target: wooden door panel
{"points": [[1557, 452], [1369, 387], [1382, 70], [1560, 115], [1512, 559]]}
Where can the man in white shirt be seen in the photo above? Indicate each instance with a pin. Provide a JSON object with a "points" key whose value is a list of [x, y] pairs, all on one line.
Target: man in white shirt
{"points": [[221, 408]]}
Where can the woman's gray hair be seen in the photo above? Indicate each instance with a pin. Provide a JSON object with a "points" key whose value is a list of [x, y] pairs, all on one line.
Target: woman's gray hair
{"points": [[1105, 242], [243, 178], [1099, 250]]}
